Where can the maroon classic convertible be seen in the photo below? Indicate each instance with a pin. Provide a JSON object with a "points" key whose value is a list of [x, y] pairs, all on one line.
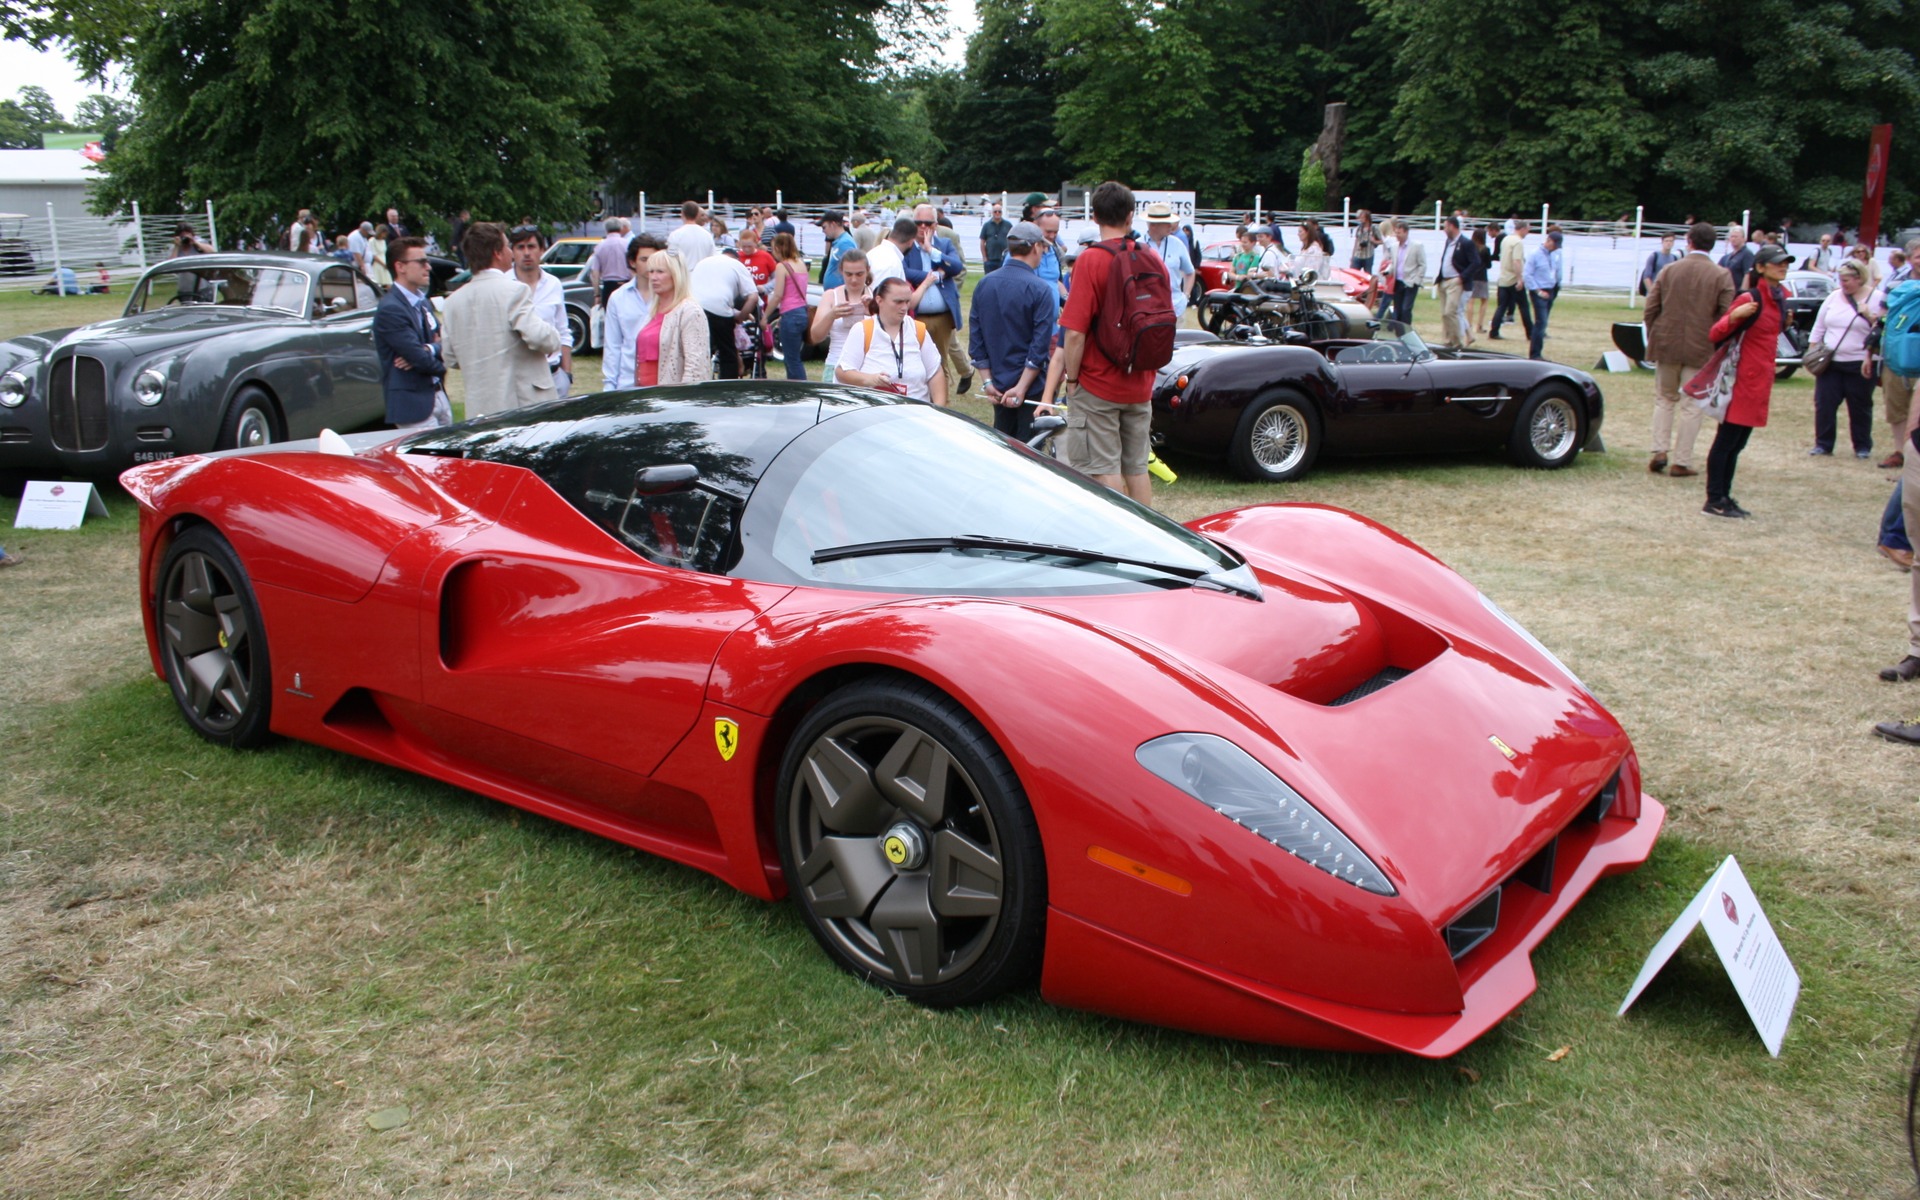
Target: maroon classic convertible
{"points": [[1271, 410]]}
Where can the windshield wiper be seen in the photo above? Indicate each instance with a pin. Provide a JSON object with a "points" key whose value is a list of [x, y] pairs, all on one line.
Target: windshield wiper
{"points": [[978, 541]]}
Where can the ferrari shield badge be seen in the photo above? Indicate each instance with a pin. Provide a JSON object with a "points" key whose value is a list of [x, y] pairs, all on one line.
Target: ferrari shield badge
{"points": [[726, 735], [1503, 748]]}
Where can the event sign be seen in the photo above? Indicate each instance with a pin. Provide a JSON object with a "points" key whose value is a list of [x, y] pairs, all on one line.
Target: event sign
{"points": [[1879, 148], [1744, 938], [57, 505], [1183, 206]]}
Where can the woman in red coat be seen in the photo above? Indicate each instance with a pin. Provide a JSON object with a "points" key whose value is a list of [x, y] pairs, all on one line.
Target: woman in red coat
{"points": [[1753, 381]]}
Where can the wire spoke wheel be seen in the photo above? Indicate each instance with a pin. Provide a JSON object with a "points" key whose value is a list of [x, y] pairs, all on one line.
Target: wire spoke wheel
{"points": [[1279, 438], [908, 845], [1553, 428], [210, 643]]}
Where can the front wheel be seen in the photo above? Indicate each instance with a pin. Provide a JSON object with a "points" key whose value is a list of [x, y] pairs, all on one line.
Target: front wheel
{"points": [[909, 846], [580, 329], [213, 647], [1277, 440], [1547, 432], [1785, 370], [251, 421]]}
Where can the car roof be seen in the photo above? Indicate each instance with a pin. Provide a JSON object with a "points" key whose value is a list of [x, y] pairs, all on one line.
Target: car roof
{"points": [[250, 258]]}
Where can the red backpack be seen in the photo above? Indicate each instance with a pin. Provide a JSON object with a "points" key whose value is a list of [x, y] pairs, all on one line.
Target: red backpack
{"points": [[1136, 320]]}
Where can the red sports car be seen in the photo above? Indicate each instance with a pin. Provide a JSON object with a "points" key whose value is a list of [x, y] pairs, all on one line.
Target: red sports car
{"points": [[1215, 262], [1276, 775]]}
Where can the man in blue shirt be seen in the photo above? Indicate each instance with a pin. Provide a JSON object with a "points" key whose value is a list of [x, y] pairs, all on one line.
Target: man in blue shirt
{"points": [[1172, 251], [939, 307], [839, 241], [1013, 316], [1542, 279]]}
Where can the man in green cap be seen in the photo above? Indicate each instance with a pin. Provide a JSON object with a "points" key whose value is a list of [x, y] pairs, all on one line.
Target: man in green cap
{"points": [[1034, 202]]}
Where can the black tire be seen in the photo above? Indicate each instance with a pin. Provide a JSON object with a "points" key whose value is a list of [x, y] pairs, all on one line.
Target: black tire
{"points": [[1549, 428], [213, 646], [251, 420], [1278, 438], [896, 811], [1785, 370], [580, 328], [12, 483]]}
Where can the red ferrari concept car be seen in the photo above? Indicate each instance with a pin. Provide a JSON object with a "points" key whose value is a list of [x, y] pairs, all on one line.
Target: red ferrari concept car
{"points": [[1277, 774]]}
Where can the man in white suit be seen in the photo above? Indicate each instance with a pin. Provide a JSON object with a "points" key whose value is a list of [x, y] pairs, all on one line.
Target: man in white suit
{"points": [[492, 332]]}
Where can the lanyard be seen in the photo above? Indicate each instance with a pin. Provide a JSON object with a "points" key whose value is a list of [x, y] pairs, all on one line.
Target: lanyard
{"points": [[899, 347]]}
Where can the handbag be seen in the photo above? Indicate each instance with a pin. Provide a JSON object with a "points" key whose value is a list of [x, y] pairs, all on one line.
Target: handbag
{"points": [[1712, 389], [1819, 356]]}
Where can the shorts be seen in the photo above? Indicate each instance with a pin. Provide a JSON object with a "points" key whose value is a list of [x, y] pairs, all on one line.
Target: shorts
{"points": [[1898, 392], [1479, 289], [1107, 438]]}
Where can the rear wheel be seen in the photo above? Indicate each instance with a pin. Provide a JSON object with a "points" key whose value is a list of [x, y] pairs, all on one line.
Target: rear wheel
{"points": [[1278, 438], [579, 328], [251, 421], [909, 846], [1547, 432], [213, 647]]}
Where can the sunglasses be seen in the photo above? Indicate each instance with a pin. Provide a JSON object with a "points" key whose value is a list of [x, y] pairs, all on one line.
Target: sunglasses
{"points": [[520, 233], [926, 222]]}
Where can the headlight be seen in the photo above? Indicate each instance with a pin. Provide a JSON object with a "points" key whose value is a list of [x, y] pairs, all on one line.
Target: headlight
{"points": [[1232, 782], [14, 388], [150, 386], [1531, 640]]}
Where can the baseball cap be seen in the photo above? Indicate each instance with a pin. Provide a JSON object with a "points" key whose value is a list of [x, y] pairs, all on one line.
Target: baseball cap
{"points": [[1035, 200], [1026, 231], [1771, 254]]}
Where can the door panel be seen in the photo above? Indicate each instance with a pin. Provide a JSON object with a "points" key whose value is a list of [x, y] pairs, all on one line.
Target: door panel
{"points": [[1383, 408]]}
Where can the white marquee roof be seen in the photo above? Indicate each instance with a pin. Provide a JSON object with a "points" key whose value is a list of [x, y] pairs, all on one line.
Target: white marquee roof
{"points": [[45, 167]]}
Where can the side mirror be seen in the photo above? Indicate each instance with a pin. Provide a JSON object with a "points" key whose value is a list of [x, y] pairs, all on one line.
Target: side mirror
{"points": [[658, 481]]}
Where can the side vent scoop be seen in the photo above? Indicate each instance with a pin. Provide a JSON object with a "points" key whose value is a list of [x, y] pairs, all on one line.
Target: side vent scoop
{"points": [[1386, 676]]}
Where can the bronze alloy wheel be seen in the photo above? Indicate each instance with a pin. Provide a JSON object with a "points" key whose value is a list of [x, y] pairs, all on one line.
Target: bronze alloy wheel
{"points": [[909, 847], [211, 642]]}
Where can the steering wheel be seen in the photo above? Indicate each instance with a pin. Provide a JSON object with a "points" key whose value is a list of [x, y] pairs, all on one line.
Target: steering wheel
{"points": [[1369, 352]]}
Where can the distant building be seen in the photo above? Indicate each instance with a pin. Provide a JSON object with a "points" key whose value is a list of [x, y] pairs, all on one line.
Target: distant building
{"points": [[30, 179]]}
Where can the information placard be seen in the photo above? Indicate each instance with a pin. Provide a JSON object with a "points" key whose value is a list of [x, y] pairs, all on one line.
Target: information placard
{"points": [[1744, 938], [60, 504]]}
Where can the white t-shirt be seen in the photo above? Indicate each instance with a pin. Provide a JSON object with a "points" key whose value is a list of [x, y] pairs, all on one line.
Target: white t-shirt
{"points": [[898, 359], [884, 261], [837, 332], [550, 301], [693, 243], [720, 284]]}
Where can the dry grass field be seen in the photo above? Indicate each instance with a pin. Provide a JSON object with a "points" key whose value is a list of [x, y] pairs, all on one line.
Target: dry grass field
{"points": [[214, 967]]}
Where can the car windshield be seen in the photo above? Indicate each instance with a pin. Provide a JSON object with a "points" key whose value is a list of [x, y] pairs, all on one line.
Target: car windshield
{"points": [[968, 511], [236, 287], [1392, 343]]}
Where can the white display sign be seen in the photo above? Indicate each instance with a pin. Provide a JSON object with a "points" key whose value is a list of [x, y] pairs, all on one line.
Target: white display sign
{"points": [[57, 505], [1182, 206], [1743, 937]]}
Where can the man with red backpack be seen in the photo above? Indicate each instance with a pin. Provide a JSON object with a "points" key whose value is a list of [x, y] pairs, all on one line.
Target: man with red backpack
{"points": [[1119, 325]]}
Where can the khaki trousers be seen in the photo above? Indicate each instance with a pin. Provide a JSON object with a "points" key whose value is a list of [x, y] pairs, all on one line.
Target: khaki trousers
{"points": [[940, 329], [1453, 313], [1667, 378], [1897, 391]]}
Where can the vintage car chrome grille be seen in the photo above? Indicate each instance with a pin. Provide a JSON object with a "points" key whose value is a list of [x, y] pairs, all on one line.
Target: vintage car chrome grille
{"points": [[77, 403]]}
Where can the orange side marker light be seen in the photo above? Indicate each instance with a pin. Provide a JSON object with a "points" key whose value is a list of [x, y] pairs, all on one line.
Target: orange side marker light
{"points": [[1139, 870]]}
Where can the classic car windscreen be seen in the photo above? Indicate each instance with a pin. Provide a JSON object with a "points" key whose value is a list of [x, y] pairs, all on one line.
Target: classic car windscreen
{"points": [[917, 472], [240, 287]]}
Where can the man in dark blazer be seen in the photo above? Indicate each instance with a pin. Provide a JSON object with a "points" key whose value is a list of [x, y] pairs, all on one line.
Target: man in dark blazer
{"points": [[406, 337]]}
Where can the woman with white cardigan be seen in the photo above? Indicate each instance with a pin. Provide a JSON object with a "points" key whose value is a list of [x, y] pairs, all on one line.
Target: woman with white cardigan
{"points": [[672, 347], [1842, 325]]}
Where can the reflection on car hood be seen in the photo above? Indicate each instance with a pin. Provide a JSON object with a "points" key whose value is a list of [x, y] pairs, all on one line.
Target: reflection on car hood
{"points": [[181, 321]]}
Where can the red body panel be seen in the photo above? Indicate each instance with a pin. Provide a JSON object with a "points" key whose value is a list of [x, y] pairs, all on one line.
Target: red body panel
{"points": [[458, 618]]}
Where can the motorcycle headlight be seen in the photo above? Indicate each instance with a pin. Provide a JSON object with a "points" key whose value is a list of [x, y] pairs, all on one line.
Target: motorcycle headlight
{"points": [[14, 388], [1531, 640], [150, 386], [1232, 783]]}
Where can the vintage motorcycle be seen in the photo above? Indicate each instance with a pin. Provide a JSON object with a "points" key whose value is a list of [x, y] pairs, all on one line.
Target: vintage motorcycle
{"points": [[1273, 310]]}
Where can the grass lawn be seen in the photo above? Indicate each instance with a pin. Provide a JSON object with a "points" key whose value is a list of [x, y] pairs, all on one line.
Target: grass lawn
{"points": [[216, 966]]}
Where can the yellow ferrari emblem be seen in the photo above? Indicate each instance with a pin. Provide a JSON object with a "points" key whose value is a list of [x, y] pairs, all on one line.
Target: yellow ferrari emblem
{"points": [[896, 849], [1503, 748], [726, 735], [222, 635]]}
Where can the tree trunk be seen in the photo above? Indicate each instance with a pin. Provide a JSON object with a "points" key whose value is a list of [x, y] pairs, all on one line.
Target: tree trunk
{"points": [[1326, 150]]}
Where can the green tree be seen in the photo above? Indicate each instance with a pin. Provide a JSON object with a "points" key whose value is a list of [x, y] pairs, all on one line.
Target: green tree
{"points": [[22, 121], [741, 96], [94, 34], [106, 116], [997, 121], [348, 106]]}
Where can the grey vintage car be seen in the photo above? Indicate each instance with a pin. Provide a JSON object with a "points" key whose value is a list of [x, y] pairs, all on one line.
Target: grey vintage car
{"points": [[214, 351]]}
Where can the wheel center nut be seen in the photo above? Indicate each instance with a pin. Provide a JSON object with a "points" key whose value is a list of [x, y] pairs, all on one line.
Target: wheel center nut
{"points": [[905, 846]]}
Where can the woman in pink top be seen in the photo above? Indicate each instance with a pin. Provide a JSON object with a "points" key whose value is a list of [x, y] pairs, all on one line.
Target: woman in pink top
{"points": [[672, 347], [1842, 325], [787, 296]]}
